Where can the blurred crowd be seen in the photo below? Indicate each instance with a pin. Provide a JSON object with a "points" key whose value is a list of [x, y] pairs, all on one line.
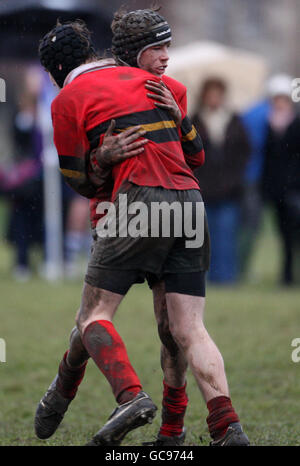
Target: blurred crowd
{"points": [[252, 161], [22, 190]]}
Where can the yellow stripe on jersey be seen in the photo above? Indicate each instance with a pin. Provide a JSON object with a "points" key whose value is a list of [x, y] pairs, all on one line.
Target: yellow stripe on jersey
{"points": [[154, 126], [190, 136], [71, 173]]}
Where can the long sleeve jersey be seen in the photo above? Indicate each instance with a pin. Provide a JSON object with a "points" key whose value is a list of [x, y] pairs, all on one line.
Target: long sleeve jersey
{"points": [[191, 142], [81, 114]]}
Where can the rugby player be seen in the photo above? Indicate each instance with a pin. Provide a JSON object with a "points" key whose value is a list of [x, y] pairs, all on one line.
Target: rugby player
{"points": [[153, 58], [72, 366], [234, 429], [78, 180]]}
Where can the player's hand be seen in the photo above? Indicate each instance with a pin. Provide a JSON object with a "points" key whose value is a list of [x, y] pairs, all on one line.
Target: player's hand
{"points": [[117, 148], [165, 99]]}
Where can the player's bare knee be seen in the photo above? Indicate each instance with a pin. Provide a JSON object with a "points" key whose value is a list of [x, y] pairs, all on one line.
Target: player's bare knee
{"points": [[91, 297], [81, 322], [167, 339], [75, 338], [181, 336], [73, 334]]}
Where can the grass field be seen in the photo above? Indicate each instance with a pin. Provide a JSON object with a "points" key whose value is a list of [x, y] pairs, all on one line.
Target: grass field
{"points": [[252, 324]]}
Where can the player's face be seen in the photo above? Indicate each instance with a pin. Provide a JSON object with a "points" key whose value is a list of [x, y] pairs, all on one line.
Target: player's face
{"points": [[155, 59]]}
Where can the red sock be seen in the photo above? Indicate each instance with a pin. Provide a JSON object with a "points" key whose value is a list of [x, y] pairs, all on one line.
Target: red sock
{"points": [[69, 378], [221, 414], [174, 404], [107, 349]]}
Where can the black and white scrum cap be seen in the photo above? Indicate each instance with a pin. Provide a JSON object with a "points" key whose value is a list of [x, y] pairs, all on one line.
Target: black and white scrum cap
{"points": [[136, 31]]}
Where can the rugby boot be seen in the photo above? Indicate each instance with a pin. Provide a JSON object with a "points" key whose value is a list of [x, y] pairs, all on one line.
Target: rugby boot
{"points": [[234, 437], [126, 417], [165, 441], [50, 412]]}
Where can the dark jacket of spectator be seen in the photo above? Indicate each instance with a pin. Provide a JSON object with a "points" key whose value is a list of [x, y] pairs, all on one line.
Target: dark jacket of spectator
{"points": [[221, 177], [282, 162]]}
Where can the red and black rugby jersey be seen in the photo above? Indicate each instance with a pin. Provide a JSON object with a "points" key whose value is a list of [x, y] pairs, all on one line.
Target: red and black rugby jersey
{"points": [[82, 112]]}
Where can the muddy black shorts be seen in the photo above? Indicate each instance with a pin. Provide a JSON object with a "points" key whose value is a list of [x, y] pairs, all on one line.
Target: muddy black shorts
{"points": [[149, 234]]}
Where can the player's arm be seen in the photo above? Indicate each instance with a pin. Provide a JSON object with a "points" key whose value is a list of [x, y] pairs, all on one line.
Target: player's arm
{"points": [[190, 140], [87, 171], [191, 144], [73, 149], [114, 149], [164, 99]]}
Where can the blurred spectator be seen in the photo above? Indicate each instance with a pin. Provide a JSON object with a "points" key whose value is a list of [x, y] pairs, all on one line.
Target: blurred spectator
{"points": [[21, 183], [281, 178], [221, 178], [78, 237], [255, 121]]}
